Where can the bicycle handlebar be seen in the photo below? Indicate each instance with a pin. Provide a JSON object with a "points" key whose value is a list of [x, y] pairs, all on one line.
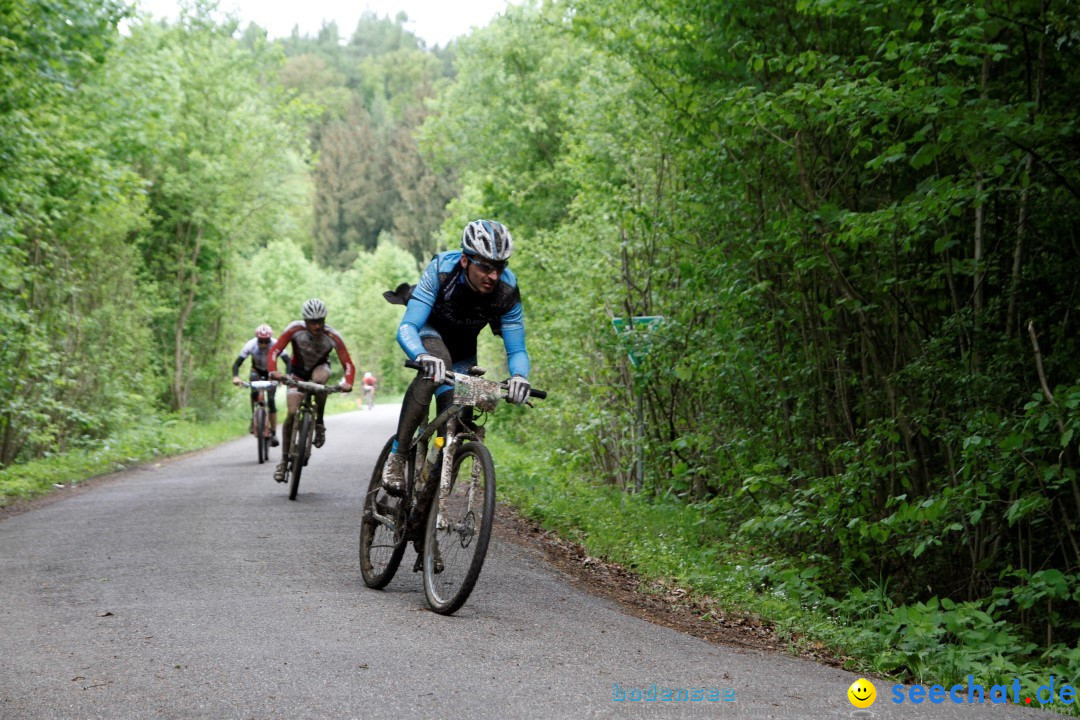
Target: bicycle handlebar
{"points": [[450, 374], [310, 386], [260, 384]]}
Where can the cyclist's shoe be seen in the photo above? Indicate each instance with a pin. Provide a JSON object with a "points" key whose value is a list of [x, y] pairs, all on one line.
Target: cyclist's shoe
{"points": [[320, 435], [393, 476], [273, 440], [279, 471]]}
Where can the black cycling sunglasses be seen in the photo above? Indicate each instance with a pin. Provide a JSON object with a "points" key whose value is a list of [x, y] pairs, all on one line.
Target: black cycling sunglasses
{"points": [[488, 267]]}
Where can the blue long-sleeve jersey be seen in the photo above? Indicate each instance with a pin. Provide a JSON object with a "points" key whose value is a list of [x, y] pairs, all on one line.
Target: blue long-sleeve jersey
{"points": [[444, 304]]}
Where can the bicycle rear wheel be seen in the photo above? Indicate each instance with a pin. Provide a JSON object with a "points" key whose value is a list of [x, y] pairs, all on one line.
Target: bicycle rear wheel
{"points": [[381, 546], [458, 530], [260, 430], [300, 450]]}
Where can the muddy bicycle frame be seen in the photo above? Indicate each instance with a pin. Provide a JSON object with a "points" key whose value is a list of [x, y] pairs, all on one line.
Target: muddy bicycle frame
{"points": [[460, 521], [469, 391]]}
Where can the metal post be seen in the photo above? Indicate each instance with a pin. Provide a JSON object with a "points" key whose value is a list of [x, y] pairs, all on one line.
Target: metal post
{"points": [[640, 440]]}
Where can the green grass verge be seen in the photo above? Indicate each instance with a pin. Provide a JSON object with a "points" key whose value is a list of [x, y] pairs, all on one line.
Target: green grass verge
{"points": [[152, 438], [671, 544], [662, 540]]}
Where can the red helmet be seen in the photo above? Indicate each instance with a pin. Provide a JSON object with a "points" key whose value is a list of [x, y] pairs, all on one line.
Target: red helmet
{"points": [[263, 332]]}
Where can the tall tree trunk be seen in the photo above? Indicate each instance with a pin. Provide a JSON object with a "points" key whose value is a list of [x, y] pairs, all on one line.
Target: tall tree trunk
{"points": [[1029, 162], [7, 453], [188, 278], [980, 210]]}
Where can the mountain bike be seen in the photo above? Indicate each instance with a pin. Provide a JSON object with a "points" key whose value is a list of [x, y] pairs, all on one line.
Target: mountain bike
{"points": [[260, 427], [457, 527], [303, 429]]}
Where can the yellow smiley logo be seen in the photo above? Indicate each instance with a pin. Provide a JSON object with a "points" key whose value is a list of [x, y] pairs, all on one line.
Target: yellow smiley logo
{"points": [[862, 693]]}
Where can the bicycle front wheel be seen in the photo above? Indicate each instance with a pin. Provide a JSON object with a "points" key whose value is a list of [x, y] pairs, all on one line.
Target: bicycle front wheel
{"points": [[382, 538], [260, 430], [300, 450], [458, 530]]}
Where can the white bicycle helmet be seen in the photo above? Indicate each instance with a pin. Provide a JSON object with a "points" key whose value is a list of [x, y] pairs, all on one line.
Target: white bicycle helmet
{"points": [[264, 332], [487, 239], [314, 309]]}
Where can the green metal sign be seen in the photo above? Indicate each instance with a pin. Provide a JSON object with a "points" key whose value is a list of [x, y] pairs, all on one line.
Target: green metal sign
{"points": [[633, 332]]}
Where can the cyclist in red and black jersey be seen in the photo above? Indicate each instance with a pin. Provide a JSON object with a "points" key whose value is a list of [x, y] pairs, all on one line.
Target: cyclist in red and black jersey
{"points": [[312, 340]]}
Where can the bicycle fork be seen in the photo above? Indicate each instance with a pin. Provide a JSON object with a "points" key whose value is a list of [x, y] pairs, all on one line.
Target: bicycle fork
{"points": [[453, 440]]}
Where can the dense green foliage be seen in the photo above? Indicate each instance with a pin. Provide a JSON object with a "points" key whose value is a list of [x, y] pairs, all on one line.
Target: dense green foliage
{"points": [[858, 221], [66, 211], [370, 178], [156, 192]]}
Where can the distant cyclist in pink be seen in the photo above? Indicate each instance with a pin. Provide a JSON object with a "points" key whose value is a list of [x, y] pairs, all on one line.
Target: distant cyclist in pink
{"points": [[312, 340], [369, 390]]}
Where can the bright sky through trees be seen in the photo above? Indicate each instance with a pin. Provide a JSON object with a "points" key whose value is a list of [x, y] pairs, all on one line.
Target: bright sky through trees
{"points": [[436, 21]]}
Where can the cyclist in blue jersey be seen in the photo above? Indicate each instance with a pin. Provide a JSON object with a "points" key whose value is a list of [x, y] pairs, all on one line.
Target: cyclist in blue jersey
{"points": [[459, 293]]}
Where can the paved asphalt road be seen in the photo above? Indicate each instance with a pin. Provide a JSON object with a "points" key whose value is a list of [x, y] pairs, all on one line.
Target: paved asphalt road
{"points": [[194, 589]]}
